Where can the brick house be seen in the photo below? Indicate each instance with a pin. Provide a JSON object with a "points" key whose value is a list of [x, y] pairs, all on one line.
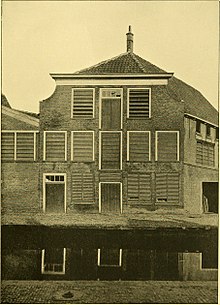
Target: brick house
{"points": [[123, 136]]}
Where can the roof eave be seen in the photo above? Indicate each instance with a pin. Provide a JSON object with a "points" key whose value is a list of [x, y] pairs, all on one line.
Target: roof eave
{"points": [[110, 76]]}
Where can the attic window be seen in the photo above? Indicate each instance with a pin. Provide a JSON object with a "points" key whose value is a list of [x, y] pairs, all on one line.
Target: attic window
{"points": [[139, 103], [198, 126], [83, 103], [208, 130]]}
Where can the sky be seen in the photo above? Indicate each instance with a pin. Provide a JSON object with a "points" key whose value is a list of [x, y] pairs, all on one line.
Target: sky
{"points": [[42, 37]]}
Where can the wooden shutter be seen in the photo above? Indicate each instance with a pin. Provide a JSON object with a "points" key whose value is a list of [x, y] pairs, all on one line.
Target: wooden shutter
{"points": [[138, 146], [82, 188], [55, 146], [7, 145], [110, 150], [205, 153], [83, 102], [82, 146], [139, 103], [167, 146], [111, 114], [167, 188], [139, 188], [25, 146]]}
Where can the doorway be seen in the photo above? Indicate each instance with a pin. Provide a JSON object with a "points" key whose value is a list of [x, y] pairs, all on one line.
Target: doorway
{"points": [[210, 197], [110, 197], [54, 193]]}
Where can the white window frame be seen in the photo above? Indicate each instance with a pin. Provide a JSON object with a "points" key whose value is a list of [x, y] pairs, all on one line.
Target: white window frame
{"points": [[54, 182], [178, 144], [93, 142], [128, 142], [100, 149], [15, 132], [99, 259], [93, 105], [53, 272], [100, 104], [128, 105], [100, 195], [44, 146]]}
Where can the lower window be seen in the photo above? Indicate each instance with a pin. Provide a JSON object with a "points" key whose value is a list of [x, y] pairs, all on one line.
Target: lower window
{"points": [[167, 188], [53, 261]]}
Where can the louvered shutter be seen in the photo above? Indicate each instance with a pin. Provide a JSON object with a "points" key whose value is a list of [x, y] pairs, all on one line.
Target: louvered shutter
{"points": [[55, 146], [7, 146], [82, 188], [82, 146], [83, 102], [25, 146], [139, 188], [139, 103], [110, 150], [167, 146], [167, 188], [205, 153], [138, 146]]}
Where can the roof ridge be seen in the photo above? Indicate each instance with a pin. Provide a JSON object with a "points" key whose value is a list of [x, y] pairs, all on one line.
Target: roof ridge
{"points": [[138, 62], [101, 63]]}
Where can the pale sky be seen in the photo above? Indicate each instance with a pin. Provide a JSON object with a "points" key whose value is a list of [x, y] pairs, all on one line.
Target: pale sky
{"points": [[41, 37]]}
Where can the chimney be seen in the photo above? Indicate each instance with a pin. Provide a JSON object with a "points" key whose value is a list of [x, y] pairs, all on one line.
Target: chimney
{"points": [[129, 40]]}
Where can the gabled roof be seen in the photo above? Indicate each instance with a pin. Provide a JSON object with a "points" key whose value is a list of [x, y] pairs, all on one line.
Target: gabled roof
{"points": [[21, 116], [126, 63]]}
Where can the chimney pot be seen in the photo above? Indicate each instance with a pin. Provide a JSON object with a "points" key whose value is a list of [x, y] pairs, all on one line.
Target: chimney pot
{"points": [[129, 40]]}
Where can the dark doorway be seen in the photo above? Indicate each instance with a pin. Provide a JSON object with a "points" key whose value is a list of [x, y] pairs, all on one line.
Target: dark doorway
{"points": [[55, 198], [210, 197], [110, 197]]}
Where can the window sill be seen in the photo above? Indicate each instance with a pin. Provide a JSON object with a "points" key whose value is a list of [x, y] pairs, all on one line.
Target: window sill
{"points": [[83, 203]]}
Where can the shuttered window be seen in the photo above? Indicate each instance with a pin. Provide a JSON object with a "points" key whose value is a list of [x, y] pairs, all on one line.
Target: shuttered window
{"points": [[167, 146], [205, 153], [82, 188], [18, 146], [25, 146], [167, 188], [7, 146], [55, 146], [110, 150], [139, 188], [139, 146], [139, 103], [82, 103], [82, 146]]}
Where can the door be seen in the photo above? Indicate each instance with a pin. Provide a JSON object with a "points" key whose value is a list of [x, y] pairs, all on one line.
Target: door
{"points": [[54, 193], [110, 198], [111, 114]]}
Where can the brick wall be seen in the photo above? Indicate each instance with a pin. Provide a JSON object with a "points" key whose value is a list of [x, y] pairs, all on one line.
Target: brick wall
{"points": [[20, 187]]}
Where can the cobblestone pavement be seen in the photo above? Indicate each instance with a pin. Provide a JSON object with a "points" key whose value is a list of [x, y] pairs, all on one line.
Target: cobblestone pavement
{"points": [[97, 292]]}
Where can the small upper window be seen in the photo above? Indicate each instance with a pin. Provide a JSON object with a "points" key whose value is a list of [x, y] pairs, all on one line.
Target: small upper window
{"points": [[139, 103], [217, 133], [83, 103], [208, 130], [198, 126]]}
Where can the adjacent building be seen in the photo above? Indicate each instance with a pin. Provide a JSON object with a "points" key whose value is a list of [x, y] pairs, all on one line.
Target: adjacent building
{"points": [[122, 136]]}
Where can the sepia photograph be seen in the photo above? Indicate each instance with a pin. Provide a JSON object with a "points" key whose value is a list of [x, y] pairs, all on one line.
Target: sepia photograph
{"points": [[109, 152]]}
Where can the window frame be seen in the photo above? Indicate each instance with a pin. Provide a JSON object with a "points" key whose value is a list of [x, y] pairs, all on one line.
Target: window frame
{"points": [[128, 104], [208, 130], [128, 143], [100, 149], [53, 272], [93, 144], [178, 144], [100, 103], [93, 104], [15, 132], [54, 182], [106, 265], [44, 144]]}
